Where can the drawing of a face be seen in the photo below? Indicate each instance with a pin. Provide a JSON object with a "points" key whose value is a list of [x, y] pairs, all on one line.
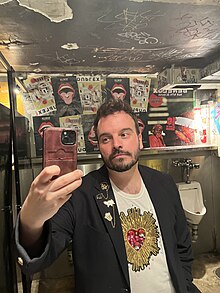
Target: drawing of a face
{"points": [[66, 93], [141, 125], [139, 92], [92, 136], [157, 130], [118, 91], [43, 126], [44, 88]]}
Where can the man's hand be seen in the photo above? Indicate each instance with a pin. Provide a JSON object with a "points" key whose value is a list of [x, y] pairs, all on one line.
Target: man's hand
{"points": [[44, 199]]}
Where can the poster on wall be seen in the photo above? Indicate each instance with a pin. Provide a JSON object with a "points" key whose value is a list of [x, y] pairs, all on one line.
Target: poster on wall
{"points": [[66, 94], [118, 88], [139, 90], [205, 101], [41, 94], [143, 127], [75, 122], [171, 118], [204, 97], [156, 136], [215, 115], [90, 93], [91, 143], [39, 124]]}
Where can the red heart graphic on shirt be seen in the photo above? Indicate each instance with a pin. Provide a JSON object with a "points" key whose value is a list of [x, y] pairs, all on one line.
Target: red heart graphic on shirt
{"points": [[136, 238]]}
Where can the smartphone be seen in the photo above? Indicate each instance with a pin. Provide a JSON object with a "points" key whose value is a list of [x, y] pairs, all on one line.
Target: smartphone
{"points": [[60, 148]]}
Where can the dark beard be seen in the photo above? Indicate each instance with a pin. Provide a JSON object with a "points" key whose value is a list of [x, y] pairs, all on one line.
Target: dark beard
{"points": [[121, 167]]}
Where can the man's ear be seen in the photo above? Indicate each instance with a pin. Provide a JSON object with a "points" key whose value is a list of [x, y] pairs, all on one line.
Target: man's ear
{"points": [[140, 140]]}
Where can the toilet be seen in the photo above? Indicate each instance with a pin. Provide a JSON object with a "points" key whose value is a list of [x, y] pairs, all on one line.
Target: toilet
{"points": [[192, 201]]}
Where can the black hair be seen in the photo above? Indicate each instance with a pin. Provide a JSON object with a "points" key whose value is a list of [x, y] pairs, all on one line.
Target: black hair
{"points": [[111, 106]]}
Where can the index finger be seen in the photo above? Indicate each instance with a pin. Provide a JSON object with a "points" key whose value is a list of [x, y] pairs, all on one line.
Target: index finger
{"points": [[66, 179], [48, 173]]}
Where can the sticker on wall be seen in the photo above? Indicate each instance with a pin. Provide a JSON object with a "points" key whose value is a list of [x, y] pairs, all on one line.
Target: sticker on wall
{"points": [[139, 89], [41, 94], [66, 94], [90, 93], [40, 123], [118, 88], [171, 118], [91, 143], [143, 127]]}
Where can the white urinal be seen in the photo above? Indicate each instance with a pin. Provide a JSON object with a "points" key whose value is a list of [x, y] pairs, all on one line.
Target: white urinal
{"points": [[192, 201]]}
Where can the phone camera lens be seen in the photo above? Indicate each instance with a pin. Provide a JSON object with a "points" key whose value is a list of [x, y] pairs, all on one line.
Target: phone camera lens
{"points": [[68, 137]]}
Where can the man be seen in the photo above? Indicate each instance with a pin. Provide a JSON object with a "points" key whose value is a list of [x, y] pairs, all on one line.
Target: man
{"points": [[125, 221]]}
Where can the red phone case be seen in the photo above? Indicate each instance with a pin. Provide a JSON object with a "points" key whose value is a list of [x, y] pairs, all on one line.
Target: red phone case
{"points": [[57, 153]]}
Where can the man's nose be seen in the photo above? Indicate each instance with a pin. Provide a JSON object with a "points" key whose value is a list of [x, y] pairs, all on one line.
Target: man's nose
{"points": [[117, 143]]}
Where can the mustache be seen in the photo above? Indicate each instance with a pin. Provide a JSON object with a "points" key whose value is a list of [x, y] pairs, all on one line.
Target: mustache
{"points": [[117, 152]]}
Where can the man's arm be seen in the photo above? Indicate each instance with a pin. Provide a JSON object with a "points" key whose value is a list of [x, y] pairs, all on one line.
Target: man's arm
{"points": [[44, 199]]}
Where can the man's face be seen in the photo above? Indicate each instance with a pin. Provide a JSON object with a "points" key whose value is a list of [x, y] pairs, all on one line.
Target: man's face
{"points": [[158, 131], [119, 142]]}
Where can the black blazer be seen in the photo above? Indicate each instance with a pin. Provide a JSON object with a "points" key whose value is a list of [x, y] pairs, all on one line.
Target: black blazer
{"points": [[99, 254]]}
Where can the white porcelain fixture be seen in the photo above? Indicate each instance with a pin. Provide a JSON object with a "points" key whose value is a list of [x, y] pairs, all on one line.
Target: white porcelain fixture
{"points": [[192, 201]]}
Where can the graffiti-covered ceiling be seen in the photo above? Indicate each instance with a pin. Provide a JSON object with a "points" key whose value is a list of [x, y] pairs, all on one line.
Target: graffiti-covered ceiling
{"points": [[109, 35]]}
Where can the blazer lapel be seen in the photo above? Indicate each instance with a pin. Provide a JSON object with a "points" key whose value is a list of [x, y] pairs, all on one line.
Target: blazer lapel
{"points": [[160, 208], [158, 203], [106, 203]]}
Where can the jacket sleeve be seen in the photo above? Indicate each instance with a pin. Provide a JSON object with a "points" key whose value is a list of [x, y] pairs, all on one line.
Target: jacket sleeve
{"points": [[57, 238]]}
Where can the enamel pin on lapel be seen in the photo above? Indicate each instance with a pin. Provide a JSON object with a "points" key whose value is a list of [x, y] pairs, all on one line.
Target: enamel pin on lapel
{"points": [[104, 187], [108, 216], [109, 203]]}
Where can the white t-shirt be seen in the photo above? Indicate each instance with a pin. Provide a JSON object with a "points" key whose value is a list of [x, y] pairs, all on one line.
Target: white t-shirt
{"points": [[146, 256]]}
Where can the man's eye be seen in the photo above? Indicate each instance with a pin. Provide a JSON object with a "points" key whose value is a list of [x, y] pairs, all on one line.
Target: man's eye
{"points": [[124, 135], [105, 139]]}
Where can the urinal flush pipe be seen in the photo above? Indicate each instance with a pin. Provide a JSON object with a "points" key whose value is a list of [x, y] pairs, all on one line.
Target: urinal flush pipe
{"points": [[186, 165], [194, 232], [187, 169]]}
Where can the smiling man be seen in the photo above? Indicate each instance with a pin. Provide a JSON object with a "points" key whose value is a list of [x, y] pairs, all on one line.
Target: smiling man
{"points": [[125, 221]]}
